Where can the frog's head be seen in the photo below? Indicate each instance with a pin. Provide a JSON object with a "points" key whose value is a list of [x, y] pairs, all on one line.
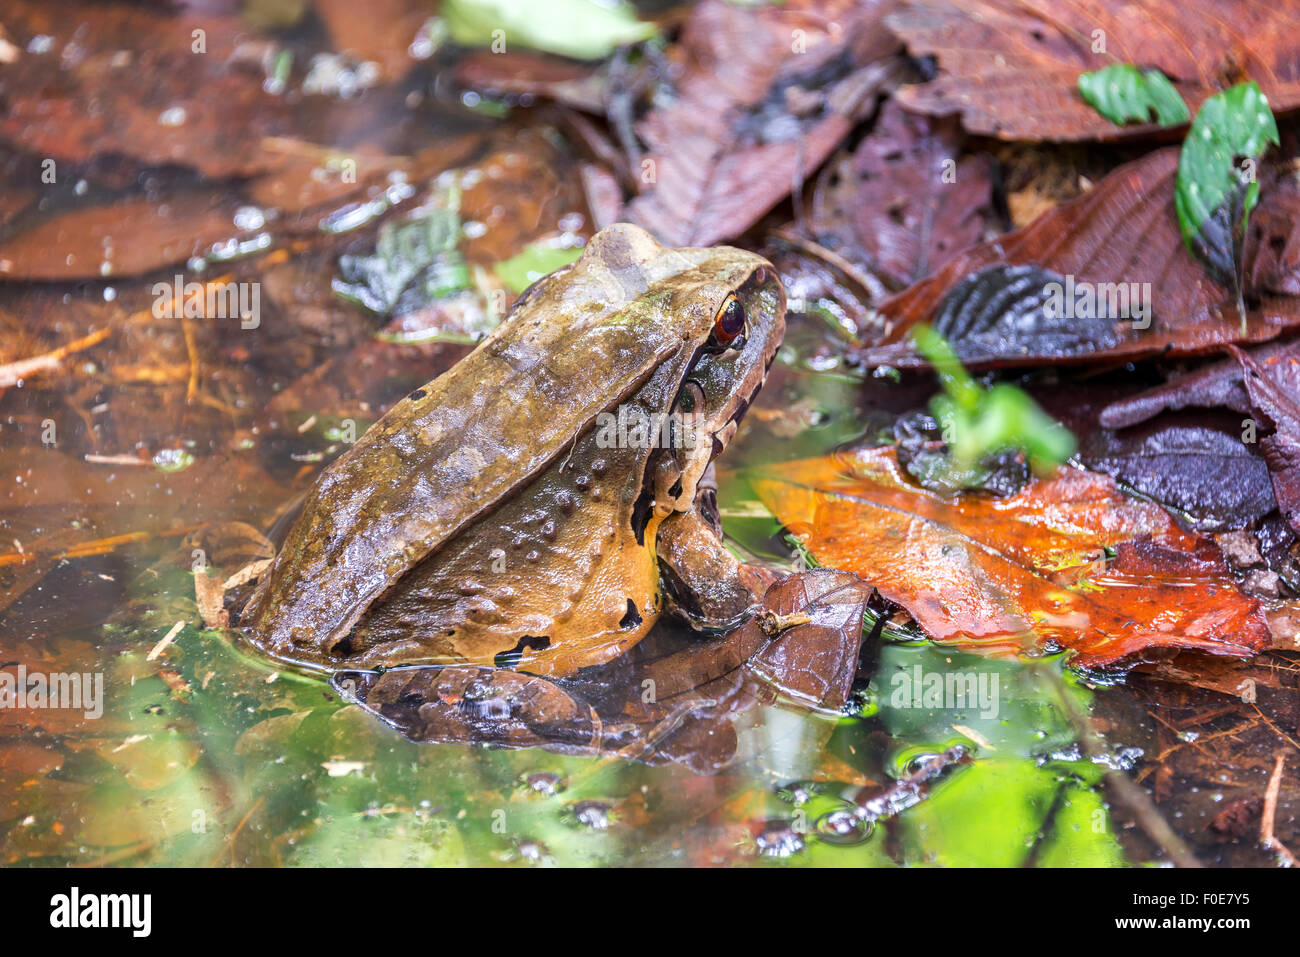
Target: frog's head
{"points": [[705, 324], [732, 309]]}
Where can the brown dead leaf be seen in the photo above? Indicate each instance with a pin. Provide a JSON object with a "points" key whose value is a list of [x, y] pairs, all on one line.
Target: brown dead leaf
{"points": [[1123, 231], [380, 31], [209, 591], [766, 95], [902, 204], [119, 239], [117, 79], [1274, 399], [582, 86], [1011, 67]]}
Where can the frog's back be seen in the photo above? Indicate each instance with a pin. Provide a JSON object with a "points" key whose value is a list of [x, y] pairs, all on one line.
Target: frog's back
{"points": [[457, 447]]}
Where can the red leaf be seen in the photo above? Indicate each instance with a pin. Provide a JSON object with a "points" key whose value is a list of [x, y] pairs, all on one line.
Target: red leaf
{"points": [[998, 575]]}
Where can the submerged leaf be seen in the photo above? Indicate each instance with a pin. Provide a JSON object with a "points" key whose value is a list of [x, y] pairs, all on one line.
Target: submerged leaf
{"points": [[535, 261], [582, 29]]}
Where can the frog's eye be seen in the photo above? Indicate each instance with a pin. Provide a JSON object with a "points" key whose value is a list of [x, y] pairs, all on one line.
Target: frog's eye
{"points": [[730, 321]]}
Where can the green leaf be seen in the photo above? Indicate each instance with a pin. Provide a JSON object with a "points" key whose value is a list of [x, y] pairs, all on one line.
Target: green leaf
{"points": [[1083, 833], [1213, 197], [1122, 93], [582, 29], [415, 262], [537, 260], [954, 378], [980, 422]]}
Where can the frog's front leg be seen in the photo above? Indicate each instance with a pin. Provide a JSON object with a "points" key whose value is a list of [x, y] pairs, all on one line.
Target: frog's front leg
{"points": [[712, 589]]}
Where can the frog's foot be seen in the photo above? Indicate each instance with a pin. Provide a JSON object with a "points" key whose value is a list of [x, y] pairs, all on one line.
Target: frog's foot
{"points": [[814, 620], [803, 643], [708, 586], [472, 705]]}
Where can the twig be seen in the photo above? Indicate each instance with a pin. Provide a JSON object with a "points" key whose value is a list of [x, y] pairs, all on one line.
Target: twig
{"points": [[1122, 787], [13, 372], [192, 352], [1266, 836], [167, 639], [100, 546], [1276, 730], [230, 841]]}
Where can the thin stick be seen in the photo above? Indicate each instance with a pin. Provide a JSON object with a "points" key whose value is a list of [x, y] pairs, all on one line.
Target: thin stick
{"points": [[1266, 836], [230, 841], [1122, 787], [11, 373], [100, 546]]}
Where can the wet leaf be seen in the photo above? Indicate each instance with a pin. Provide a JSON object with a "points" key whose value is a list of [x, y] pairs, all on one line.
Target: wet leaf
{"points": [[1213, 197], [729, 147], [1122, 93], [414, 263], [1197, 465], [905, 202], [1003, 575], [815, 662], [1128, 287], [1274, 400], [1003, 813], [1217, 385], [1011, 68]]}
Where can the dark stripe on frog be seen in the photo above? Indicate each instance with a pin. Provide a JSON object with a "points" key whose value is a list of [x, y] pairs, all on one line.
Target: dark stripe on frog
{"points": [[633, 617], [509, 659]]}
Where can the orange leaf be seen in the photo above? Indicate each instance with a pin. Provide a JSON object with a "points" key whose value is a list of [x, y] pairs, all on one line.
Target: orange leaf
{"points": [[998, 575]]}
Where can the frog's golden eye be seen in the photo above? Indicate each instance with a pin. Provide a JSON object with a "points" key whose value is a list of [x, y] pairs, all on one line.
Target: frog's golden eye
{"points": [[730, 321]]}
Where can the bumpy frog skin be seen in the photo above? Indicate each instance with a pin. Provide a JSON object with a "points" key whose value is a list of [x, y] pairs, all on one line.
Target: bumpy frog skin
{"points": [[486, 519]]}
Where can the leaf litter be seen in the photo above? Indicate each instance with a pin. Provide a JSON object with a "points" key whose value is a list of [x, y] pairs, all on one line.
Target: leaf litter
{"points": [[104, 529]]}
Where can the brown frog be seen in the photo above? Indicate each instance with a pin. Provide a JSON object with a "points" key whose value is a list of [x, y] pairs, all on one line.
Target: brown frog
{"points": [[528, 507]]}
